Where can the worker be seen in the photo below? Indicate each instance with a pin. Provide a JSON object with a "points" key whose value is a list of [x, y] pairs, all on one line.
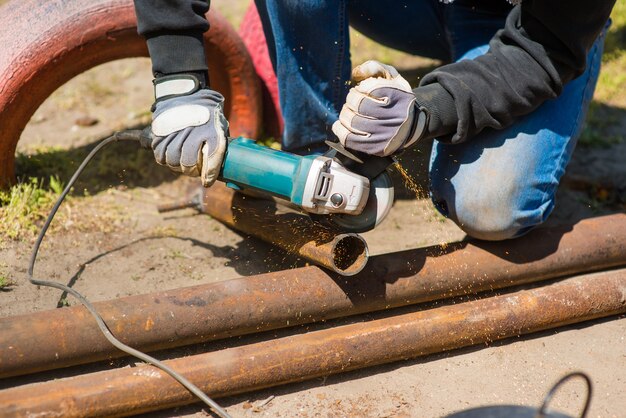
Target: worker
{"points": [[505, 111]]}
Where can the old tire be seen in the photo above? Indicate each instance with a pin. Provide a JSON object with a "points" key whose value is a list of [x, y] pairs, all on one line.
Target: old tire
{"points": [[251, 31], [45, 44]]}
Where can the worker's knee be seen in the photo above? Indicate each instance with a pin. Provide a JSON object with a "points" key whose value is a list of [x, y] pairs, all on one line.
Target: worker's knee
{"points": [[493, 212]]}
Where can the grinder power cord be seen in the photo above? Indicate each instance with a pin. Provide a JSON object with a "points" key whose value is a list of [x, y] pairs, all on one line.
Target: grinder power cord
{"points": [[133, 135], [350, 192]]}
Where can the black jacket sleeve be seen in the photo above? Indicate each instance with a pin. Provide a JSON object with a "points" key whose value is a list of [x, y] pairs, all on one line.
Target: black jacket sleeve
{"points": [[174, 30], [543, 45]]}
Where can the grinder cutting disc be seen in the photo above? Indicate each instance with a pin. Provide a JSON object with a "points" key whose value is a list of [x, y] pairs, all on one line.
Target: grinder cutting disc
{"points": [[376, 209]]}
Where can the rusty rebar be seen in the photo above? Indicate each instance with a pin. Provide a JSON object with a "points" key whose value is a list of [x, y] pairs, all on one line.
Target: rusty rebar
{"points": [[296, 233], [64, 337], [129, 391]]}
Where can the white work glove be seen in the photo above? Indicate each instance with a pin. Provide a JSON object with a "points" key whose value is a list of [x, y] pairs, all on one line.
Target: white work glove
{"points": [[189, 128], [380, 115]]}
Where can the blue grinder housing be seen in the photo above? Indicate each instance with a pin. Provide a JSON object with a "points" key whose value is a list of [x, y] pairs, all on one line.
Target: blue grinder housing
{"points": [[282, 174]]}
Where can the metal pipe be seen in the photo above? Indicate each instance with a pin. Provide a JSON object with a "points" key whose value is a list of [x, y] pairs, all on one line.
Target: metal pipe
{"points": [[294, 232], [129, 391], [64, 337]]}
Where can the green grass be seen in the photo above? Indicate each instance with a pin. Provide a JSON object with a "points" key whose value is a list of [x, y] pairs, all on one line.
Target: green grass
{"points": [[269, 142], [5, 281], [602, 128], [25, 206], [42, 173], [615, 45], [599, 129]]}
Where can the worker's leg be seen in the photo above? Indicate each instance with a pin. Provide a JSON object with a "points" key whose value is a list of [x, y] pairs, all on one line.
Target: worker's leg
{"points": [[309, 47], [416, 27], [501, 184]]}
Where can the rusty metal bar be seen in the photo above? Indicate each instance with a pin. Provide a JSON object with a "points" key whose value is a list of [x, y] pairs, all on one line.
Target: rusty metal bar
{"points": [[64, 337], [294, 232], [141, 389]]}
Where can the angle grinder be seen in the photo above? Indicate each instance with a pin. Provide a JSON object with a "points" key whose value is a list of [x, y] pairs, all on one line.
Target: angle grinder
{"points": [[352, 193]]}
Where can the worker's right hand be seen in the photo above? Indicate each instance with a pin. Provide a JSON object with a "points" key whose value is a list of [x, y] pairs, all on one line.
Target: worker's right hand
{"points": [[189, 129]]}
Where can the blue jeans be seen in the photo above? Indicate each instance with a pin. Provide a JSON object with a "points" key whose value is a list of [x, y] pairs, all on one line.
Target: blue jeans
{"points": [[496, 186]]}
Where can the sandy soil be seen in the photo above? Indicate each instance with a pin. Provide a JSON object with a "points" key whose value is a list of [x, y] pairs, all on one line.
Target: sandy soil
{"points": [[114, 243]]}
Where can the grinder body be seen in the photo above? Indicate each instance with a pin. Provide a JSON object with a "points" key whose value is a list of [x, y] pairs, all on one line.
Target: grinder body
{"points": [[350, 192], [318, 184]]}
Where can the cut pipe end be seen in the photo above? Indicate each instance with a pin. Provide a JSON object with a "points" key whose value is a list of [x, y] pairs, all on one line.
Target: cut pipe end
{"points": [[349, 254]]}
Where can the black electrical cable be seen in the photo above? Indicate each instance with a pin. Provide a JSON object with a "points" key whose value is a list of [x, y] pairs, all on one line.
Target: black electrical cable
{"points": [[131, 135]]}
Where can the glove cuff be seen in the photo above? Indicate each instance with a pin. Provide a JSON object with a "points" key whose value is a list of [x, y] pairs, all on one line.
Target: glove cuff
{"points": [[175, 85], [420, 125]]}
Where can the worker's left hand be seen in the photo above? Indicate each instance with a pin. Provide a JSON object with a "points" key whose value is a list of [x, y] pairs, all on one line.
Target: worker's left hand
{"points": [[189, 130], [380, 115]]}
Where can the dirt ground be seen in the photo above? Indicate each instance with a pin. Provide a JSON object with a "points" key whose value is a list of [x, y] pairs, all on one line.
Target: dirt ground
{"points": [[113, 243]]}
